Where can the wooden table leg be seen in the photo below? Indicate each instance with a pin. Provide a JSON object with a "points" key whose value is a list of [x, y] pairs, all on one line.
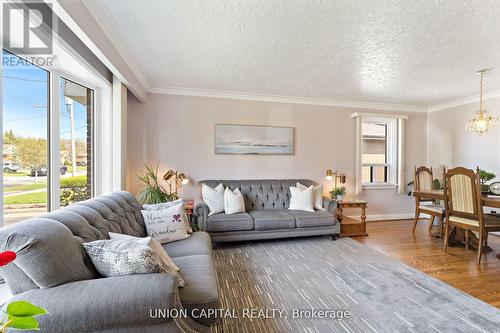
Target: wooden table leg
{"points": [[363, 214], [340, 214]]}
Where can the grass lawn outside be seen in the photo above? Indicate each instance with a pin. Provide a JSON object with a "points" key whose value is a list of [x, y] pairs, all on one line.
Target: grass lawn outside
{"points": [[27, 198], [25, 187], [78, 168], [16, 174]]}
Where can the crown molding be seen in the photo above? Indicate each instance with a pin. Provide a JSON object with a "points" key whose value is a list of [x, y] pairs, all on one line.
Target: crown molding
{"points": [[104, 20], [286, 99], [463, 101]]}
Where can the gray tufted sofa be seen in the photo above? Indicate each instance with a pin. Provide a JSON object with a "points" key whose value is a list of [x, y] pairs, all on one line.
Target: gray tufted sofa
{"points": [[267, 215], [52, 270]]}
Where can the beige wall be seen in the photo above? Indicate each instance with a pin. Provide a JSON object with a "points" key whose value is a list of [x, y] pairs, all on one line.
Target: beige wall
{"points": [[178, 131], [450, 145]]}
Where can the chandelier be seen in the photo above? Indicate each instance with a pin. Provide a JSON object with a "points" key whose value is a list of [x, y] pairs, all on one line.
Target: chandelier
{"points": [[482, 121]]}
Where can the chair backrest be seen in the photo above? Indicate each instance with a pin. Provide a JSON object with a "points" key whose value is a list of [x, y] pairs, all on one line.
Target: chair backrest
{"points": [[423, 179], [463, 194]]}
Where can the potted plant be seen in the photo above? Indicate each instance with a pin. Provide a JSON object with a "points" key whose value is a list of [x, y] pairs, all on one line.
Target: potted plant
{"points": [[485, 177], [153, 192], [338, 193]]}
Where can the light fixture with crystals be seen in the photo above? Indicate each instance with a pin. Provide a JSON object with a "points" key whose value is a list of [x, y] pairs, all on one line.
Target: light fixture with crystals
{"points": [[482, 121]]}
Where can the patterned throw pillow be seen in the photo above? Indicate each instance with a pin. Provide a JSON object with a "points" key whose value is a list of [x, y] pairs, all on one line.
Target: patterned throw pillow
{"points": [[166, 225], [125, 257], [153, 243], [165, 205]]}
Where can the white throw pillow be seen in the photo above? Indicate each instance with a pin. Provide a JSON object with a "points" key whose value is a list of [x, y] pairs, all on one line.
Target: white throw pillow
{"points": [[153, 243], [233, 201], [214, 198], [301, 199], [166, 225], [317, 195], [165, 205]]}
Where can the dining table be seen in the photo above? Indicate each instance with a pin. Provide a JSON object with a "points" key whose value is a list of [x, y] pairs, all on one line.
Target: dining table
{"points": [[487, 200]]}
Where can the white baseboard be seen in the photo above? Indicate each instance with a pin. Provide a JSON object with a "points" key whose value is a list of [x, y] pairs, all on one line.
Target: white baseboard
{"points": [[385, 217]]}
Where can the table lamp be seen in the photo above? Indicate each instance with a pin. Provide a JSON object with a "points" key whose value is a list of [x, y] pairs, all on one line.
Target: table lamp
{"points": [[335, 175]]}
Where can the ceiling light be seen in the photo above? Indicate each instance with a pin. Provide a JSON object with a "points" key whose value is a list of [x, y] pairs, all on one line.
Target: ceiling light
{"points": [[482, 121]]}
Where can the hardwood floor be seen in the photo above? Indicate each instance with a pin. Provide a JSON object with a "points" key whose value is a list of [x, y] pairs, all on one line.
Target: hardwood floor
{"points": [[457, 267]]}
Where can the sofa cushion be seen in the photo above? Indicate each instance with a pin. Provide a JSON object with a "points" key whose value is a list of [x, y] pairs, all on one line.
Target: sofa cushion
{"points": [[200, 291], [272, 219], [101, 304], [198, 243], [313, 219], [233, 222]]}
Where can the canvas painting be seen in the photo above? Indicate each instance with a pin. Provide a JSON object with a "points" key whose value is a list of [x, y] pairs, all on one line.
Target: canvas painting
{"points": [[258, 140]]}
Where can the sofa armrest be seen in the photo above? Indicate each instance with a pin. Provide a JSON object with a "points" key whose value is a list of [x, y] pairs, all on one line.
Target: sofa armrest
{"points": [[201, 211], [105, 303], [330, 204]]}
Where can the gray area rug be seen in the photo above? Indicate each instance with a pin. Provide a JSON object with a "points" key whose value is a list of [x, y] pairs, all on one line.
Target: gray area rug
{"points": [[381, 293]]}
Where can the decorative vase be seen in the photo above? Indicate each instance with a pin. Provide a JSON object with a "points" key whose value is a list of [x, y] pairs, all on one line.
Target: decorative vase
{"points": [[340, 197]]}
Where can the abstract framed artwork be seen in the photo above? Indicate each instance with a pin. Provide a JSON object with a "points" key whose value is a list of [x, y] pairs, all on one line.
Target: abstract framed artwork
{"points": [[253, 140]]}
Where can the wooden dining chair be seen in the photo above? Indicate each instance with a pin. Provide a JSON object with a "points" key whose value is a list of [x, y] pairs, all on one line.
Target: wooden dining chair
{"points": [[423, 181], [464, 207]]}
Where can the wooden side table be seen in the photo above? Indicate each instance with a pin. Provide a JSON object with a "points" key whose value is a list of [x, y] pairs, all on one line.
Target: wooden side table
{"points": [[351, 228]]}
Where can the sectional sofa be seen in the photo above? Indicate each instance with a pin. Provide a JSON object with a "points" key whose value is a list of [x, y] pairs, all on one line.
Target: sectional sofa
{"points": [[267, 215], [52, 270]]}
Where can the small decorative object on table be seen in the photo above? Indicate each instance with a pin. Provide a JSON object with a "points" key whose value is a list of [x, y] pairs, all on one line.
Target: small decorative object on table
{"points": [[485, 177], [338, 193], [495, 188]]}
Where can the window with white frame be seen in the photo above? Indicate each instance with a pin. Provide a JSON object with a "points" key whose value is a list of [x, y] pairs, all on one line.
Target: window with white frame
{"points": [[379, 150], [29, 159], [62, 123]]}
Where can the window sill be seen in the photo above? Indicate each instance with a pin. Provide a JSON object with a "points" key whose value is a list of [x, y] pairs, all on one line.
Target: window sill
{"points": [[378, 186]]}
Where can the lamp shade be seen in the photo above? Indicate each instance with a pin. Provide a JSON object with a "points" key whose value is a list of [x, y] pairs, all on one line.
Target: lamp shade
{"points": [[167, 176], [342, 178], [329, 174], [183, 179]]}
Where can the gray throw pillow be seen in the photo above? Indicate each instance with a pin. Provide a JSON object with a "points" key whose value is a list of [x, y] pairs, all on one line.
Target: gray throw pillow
{"points": [[119, 257]]}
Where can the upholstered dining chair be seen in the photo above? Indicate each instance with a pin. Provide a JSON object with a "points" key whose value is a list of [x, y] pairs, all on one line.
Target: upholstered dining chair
{"points": [[423, 181], [464, 208]]}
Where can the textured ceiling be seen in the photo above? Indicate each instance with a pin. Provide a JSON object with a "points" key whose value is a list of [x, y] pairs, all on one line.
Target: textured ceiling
{"points": [[407, 51]]}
